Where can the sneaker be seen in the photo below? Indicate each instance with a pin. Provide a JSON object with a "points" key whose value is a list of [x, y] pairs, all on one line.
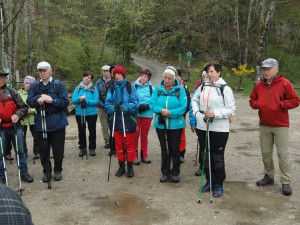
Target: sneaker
{"points": [[45, 178], [218, 192], [36, 156], [181, 159], [265, 181], [57, 176], [198, 173], [163, 178], [137, 162], [26, 178], [8, 157], [146, 160], [92, 152], [286, 189], [205, 187], [82, 152], [175, 179], [106, 146], [2, 181]]}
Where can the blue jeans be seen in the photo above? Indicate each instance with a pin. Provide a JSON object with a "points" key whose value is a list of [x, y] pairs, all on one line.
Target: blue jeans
{"points": [[9, 133]]}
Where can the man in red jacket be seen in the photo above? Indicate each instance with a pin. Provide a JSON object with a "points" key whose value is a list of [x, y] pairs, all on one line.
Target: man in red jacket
{"points": [[273, 96]]}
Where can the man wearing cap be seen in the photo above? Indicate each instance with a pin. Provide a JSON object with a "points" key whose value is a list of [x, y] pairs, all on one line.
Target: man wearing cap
{"points": [[28, 121], [52, 95], [102, 113], [273, 96], [12, 109]]}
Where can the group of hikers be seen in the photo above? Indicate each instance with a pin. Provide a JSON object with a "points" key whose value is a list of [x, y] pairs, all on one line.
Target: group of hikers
{"points": [[126, 112]]}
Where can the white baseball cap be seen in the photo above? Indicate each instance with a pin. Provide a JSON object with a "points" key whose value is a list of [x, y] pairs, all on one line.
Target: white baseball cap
{"points": [[43, 66]]}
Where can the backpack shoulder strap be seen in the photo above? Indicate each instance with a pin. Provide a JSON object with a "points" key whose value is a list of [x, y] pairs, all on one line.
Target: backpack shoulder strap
{"points": [[150, 89], [222, 91], [128, 87], [136, 86], [177, 92]]}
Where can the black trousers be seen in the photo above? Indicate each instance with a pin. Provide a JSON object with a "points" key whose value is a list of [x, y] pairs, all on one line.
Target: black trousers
{"points": [[91, 121], [35, 143], [169, 144], [217, 146], [55, 140]]}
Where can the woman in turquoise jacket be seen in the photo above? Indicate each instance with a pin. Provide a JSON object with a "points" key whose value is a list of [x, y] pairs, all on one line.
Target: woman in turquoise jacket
{"points": [[169, 102], [86, 99], [145, 115]]}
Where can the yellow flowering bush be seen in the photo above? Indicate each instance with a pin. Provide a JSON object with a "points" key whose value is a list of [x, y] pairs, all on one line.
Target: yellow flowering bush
{"points": [[241, 72]]}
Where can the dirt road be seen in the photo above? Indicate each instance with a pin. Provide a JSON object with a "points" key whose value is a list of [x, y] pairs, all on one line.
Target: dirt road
{"points": [[85, 197]]}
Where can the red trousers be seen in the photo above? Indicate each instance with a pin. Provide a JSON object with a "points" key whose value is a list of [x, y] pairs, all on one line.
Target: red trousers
{"points": [[182, 144], [125, 151], [142, 130]]}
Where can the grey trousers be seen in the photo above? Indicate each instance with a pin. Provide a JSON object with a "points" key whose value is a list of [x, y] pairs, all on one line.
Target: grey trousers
{"points": [[103, 116]]}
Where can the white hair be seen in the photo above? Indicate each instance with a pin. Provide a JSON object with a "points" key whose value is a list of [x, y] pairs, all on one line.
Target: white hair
{"points": [[169, 71]]}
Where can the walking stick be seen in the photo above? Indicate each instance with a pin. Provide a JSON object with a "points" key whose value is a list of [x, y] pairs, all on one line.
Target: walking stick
{"points": [[45, 141], [124, 133], [18, 159], [209, 163], [83, 127], [112, 145], [3, 159]]}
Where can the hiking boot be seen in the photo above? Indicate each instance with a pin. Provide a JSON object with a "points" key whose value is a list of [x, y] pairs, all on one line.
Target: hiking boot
{"points": [[36, 156], [130, 172], [265, 181], [286, 189], [218, 192], [2, 181], [137, 162], [82, 152], [106, 145], [92, 152], [26, 178], [163, 178], [205, 187], [175, 179], [57, 176], [146, 160], [121, 169], [45, 178], [198, 173]]}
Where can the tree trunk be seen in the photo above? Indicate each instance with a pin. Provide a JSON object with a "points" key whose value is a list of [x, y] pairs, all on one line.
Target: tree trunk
{"points": [[238, 32], [28, 41], [247, 31], [266, 16]]}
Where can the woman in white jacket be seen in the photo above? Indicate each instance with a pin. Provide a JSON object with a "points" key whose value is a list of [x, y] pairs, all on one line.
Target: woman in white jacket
{"points": [[214, 104]]}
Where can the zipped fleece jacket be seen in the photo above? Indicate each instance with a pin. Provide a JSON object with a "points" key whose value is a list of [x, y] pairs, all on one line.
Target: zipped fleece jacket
{"points": [[210, 97], [29, 118], [144, 94], [163, 99], [92, 100], [273, 101]]}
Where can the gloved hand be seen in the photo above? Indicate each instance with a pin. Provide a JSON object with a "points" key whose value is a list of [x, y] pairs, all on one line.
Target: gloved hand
{"points": [[143, 107], [83, 104], [124, 108]]}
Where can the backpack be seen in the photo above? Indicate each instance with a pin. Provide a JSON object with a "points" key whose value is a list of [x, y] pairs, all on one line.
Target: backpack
{"points": [[128, 88], [8, 107], [221, 87], [150, 88]]}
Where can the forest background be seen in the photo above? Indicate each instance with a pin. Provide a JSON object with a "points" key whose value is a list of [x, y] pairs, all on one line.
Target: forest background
{"points": [[79, 35]]}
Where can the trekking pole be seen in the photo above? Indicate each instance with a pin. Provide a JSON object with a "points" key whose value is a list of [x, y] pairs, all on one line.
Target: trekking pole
{"points": [[3, 159], [84, 126], [124, 132], [209, 163], [18, 160], [112, 143], [45, 140], [202, 172]]}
